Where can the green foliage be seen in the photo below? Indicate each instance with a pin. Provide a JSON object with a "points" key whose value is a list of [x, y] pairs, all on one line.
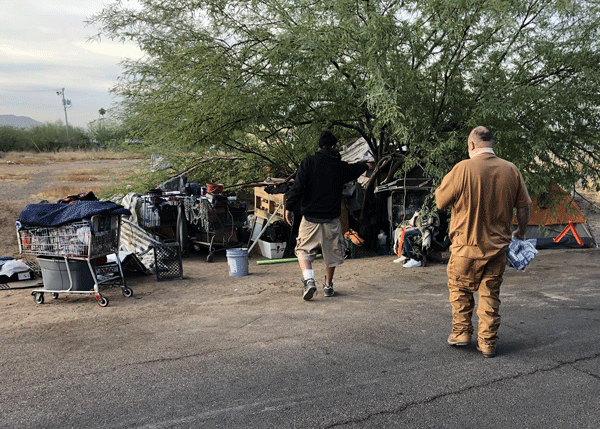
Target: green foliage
{"points": [[104, 133], [107, 134], [43, 138], [12, 139], [256, 81]]}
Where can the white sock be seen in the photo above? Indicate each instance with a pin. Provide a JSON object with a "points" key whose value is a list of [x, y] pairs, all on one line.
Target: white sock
{"points": [[308, 274]]}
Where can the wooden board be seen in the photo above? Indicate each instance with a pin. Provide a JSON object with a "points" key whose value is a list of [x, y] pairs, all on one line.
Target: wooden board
{"points": [[266, 204]]}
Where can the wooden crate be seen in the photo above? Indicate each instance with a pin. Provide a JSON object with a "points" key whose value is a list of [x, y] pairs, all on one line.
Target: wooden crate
{"points": [[266, 204]]}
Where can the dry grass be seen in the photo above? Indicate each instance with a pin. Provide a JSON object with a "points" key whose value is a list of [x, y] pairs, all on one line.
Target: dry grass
{"points": [[77, 182], [41, 158], [24, 160], [60, 192], [12, 176], [86, 175]]}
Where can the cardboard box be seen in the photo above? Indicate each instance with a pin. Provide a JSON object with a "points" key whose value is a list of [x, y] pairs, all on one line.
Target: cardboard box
{"points": [[271, 250]]}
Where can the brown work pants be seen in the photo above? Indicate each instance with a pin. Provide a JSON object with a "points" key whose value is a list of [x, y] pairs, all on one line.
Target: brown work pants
{"points": [[465, 277]]}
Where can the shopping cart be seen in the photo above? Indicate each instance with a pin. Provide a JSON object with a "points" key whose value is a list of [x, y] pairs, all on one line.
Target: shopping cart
{"points": [[214, 224], [68, 256]]}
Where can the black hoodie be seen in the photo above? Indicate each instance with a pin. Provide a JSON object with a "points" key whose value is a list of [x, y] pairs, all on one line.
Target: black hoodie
{"points": [[319, 184]]}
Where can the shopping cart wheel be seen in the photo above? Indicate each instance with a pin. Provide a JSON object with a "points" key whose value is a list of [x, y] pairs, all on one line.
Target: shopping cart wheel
{"points": [[54, 295], [103, 301], [210, 257], [38, 297], [127, 292]]}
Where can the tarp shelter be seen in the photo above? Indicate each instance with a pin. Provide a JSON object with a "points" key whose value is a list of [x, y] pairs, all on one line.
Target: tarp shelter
{"points": [[550, 214], [358, 151]]}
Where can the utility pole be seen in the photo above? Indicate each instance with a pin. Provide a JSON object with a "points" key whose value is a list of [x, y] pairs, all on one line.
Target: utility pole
{"points": [[65, 103]]}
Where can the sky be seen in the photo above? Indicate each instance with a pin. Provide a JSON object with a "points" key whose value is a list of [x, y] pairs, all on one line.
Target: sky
{"points": [[44, 48]]}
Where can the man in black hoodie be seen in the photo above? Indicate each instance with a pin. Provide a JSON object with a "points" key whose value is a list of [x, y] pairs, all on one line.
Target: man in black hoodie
{"points": [[318, 189]]}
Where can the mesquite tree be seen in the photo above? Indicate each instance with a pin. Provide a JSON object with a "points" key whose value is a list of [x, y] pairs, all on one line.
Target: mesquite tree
{"points": [[250, 84]]}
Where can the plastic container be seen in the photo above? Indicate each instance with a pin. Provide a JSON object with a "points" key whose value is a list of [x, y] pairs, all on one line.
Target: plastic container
{"points": [[383, 246], [150, 215], [271, 250], [237, 260], [56, 277]]}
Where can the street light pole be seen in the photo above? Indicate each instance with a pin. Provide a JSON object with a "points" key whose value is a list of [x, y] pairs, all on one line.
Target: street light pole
{"points": [[65, 103]]}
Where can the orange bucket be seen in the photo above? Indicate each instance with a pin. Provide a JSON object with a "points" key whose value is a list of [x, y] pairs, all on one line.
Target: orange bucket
{"points": [[214, 188]]}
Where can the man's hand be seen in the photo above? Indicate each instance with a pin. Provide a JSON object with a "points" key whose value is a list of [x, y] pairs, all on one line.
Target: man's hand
{"points": [[518, 235], [289, 217]]}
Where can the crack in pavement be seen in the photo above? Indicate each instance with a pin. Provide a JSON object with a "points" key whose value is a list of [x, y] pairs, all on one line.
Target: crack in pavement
{"points": [[469, 388]]}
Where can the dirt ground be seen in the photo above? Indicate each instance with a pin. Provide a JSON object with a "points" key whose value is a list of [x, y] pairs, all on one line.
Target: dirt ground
{"points": [[37, 179]]}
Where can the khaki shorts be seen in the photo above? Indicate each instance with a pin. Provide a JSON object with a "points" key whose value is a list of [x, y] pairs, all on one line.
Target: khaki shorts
{"points": [[326, 237]]}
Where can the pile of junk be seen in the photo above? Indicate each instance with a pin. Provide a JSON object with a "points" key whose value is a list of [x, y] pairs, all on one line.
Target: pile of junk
{"points": [[82, 243], [381, 214], [76, 244], [178, 216], [185, 216]]}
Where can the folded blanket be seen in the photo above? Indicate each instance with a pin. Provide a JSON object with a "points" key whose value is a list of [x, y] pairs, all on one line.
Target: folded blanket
{"points": [[53, 215]]}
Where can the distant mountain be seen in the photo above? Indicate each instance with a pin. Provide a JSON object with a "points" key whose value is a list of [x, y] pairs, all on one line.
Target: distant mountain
{"points": [[18, 121]]}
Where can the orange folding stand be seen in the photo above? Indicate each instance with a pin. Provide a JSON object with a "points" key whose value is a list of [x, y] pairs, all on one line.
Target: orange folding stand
{"points": [[570, 227]]}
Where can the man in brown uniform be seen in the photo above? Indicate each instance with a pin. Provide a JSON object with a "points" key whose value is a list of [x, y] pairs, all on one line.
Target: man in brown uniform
{"points": [[482, 191]]}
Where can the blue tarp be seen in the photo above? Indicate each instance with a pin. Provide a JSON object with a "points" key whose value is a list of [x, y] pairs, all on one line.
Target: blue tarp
{"points": [[52, 215]]}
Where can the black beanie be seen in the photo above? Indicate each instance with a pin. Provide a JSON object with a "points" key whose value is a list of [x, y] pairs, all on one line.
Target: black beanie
{"points": [[327, 139]]}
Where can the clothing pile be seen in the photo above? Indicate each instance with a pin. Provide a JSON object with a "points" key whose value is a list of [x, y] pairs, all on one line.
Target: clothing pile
{"points": [[419, 238], [521, 253], [12, 269]]}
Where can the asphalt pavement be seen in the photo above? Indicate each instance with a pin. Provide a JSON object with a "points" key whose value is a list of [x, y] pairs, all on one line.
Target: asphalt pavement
{"points": [[250, 353]]}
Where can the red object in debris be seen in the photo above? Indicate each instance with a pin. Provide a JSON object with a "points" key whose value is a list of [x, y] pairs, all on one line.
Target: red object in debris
{"points": [[401, 241], [353, 236], [214, 188]]}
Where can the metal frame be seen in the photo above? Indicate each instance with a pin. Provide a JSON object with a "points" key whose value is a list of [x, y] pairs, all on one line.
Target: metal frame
{"points": [[82, 240], [146, 244], [202, 214]]}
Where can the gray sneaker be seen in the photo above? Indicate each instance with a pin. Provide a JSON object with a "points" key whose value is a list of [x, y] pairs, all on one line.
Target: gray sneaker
{"points": [[309, 289], [328, 289]]}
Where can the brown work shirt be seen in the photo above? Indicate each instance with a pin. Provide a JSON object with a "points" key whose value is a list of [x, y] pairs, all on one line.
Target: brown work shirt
{"points": [[482, 192]]}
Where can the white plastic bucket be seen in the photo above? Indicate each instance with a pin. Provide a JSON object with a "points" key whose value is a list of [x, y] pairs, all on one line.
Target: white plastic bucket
{"points": [[237, 259]]}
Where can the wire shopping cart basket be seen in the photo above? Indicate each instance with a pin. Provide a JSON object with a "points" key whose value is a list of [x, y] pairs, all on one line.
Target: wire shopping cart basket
{"points": [[68, 255]]}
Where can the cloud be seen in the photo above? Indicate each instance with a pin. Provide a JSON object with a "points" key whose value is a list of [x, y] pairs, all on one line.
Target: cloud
{"points": [[111, 49], [15, 54], [44, 47]]}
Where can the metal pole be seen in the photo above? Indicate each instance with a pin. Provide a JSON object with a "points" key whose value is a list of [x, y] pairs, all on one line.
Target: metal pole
{"points": [[264, 228], [62, 92]]}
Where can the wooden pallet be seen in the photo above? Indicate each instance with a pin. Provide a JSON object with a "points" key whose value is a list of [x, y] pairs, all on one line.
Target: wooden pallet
{"points": [[265, 205]]}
